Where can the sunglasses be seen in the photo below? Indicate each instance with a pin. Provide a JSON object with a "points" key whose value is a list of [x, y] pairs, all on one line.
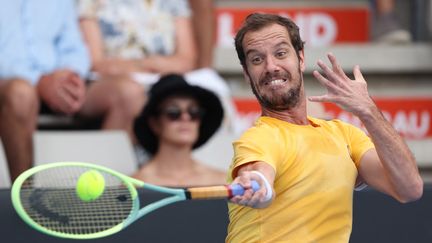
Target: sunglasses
{"points": [[175, 113]]}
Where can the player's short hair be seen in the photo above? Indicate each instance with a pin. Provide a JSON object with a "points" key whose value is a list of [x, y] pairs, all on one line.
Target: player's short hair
{"points": [[257, 21]]}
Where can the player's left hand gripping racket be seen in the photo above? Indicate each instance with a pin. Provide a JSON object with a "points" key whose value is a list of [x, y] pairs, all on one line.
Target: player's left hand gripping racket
{"points": [[45, 198]]}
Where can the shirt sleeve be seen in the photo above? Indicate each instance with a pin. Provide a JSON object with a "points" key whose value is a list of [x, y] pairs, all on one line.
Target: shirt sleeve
{"points": [[359, 143], [14, 57], [71, 49], [256, 144]]}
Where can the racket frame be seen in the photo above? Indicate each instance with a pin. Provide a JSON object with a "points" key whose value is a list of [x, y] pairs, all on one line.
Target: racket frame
{"points": [[130, 183]]}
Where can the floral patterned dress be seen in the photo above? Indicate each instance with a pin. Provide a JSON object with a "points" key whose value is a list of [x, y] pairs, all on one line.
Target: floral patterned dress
{"points": [[134, 29]]}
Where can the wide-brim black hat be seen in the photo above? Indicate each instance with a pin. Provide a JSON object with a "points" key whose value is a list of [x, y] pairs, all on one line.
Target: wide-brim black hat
{"points": [[169, 85]]}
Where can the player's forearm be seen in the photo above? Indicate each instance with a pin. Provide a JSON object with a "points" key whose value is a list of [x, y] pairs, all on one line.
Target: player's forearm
{"points": [[395, 156]]}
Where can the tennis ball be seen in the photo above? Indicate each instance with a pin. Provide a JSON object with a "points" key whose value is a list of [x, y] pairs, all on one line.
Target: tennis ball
{"points": [[90, 185]]}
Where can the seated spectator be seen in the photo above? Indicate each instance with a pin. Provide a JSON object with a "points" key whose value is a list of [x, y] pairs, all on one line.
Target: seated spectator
{"points": [[177, 119], [141, 40], [138, 36], [204, 28], [386, 25], [43, 66]]}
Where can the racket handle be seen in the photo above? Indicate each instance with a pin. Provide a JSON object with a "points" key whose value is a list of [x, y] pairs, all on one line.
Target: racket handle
{"points": [[216, 192], [238, 190]]}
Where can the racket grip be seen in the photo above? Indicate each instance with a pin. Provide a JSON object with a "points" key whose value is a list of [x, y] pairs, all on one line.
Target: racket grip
{"points": [[238, 190], [216, 192]]}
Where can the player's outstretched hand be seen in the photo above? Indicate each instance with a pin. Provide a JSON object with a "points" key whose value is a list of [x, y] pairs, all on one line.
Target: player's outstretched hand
{"points": [[350, 95]]}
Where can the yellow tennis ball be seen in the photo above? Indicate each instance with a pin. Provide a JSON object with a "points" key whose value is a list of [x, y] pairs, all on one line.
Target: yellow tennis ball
{"points": [[90, 185]]}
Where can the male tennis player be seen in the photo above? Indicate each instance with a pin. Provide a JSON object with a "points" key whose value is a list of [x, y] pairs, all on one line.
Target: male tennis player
{"points": [[308, 167]]}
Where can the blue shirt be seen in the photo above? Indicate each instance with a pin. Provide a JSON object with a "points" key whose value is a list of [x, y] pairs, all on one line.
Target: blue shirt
{"points": [[38, 37]]}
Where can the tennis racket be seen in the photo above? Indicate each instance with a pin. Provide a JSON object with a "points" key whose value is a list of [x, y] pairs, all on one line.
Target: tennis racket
{"points": [[45, 198]]}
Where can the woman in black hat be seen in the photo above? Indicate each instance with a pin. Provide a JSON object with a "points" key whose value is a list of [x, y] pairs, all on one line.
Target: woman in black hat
{"points": [[177, 119]]}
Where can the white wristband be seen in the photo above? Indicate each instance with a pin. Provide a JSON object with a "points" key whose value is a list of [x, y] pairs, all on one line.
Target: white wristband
{"points": [[269, 189]]}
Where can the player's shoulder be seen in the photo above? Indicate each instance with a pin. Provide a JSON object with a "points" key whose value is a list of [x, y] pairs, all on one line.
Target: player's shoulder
{"points": [[262, 127]]}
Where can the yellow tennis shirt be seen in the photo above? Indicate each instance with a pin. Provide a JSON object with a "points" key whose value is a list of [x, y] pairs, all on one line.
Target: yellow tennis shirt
{"points": [[316, 170]]}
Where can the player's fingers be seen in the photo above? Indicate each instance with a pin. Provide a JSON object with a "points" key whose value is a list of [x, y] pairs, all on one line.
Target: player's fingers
{"points": [[254, 202], [336, 67], [327, 71], [257, 197], [250, 197], [324, 81], [338, 80], [244, 200], [357, 74], [321, 98], [235, 199]]}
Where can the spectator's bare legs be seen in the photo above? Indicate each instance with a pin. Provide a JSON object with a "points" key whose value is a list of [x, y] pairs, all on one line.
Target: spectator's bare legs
{"points": [[204, 24], [19, 106], [387, 26], [119, 101], [385, 6]]}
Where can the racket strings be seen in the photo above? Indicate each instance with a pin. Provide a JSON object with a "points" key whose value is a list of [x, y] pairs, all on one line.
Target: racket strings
{"points": [[49, 198]]}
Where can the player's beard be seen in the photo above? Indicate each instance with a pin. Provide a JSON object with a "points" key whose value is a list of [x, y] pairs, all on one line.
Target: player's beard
{"points": [[285, 101]]}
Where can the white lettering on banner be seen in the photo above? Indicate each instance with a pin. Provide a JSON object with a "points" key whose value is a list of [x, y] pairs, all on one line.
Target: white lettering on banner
{"points": [[410, 124], [424, 125], [322, 30], [317, 29]]}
